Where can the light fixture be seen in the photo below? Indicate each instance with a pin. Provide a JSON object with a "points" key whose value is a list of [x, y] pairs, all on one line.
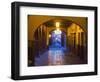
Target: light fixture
{"points": [[49, 35], [57, 24], [57, 31]]}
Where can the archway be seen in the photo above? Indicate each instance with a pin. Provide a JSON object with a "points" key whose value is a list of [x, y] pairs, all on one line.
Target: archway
{"points": [[57, 39], [66, 38]]}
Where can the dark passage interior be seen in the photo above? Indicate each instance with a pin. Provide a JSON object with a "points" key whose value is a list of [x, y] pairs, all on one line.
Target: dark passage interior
{"points": [[57, 41]]}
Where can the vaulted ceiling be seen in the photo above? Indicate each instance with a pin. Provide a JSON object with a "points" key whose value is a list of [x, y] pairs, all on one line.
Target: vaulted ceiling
{"points": [[63, 23]]}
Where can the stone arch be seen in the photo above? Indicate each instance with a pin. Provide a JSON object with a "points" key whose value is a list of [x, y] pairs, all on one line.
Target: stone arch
{"points": [[36, 21]]}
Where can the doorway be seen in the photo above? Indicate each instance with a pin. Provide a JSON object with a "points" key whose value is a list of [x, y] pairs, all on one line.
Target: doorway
{"points": [[57, 40]]}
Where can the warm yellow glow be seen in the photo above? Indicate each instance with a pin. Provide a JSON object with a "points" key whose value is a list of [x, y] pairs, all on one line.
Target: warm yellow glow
{"points": [[57, 24], [49, 35], [77, 30], [57, 31]]}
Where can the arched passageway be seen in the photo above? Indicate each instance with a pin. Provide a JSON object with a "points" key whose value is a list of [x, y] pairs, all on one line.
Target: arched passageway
{"points": [[57, 39], [58, 42]]}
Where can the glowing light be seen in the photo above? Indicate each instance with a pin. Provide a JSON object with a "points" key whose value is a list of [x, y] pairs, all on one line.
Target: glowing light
{"points": [[57, 31], [57, 24], [49, 35]]}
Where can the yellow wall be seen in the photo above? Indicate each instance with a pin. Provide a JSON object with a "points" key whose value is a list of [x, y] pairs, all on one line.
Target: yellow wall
{"points": [[75, 29], [34, 21]]}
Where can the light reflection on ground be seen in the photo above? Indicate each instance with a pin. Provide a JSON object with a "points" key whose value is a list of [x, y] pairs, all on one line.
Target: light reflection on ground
{"points": [[53, 56], [57, 54]]}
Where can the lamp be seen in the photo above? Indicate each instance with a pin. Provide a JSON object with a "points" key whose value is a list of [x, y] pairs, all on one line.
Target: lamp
{"points": [[57, 24]]}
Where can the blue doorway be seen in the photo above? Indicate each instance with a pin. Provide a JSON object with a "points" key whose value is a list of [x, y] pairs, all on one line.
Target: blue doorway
{"points": [[57, 40]]}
